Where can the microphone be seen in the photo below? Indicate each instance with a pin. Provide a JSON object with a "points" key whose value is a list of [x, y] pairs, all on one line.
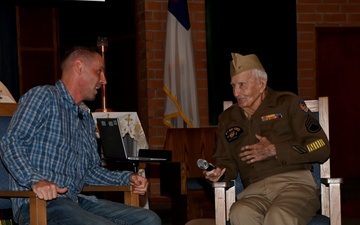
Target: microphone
{"points": [[204, 165], [81, 116]]}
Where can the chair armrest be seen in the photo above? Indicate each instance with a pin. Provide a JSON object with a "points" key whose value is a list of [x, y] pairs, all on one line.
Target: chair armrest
{"points": [[328, 181], [8, 109], [17, 194], [224, 198], [223, 184], [37, 205], [331, 199], [130, 198]]}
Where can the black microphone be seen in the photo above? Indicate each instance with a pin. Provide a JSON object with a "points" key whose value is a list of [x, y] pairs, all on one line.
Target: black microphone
{"points": [[81, 116], [204, 165]]}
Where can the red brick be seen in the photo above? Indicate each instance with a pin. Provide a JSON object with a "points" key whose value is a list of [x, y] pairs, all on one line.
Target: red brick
{"points": [[305, 8], [308, 17], [355, 18], [328, 8], [334, 18]]}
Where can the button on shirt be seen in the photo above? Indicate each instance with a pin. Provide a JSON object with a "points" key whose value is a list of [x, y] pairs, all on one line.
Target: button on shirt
{"points": [[51, 138]]}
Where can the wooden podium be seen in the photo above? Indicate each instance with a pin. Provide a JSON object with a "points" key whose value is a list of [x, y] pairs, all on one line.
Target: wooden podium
{"points": [[182, 180]]}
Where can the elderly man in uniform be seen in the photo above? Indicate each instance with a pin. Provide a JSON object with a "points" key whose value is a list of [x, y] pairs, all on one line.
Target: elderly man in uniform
{"points": [[270, 138]]}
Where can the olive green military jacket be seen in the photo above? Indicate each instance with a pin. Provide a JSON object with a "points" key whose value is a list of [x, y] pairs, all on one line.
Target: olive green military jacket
{"points": [[284, 119]]}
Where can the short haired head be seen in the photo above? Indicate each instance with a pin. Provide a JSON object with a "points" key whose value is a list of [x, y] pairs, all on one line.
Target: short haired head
{"points": [[241, 63], [77, 52]]}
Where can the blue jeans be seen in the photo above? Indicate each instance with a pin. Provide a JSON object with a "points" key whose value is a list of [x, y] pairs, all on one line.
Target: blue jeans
{"points": [[64, 211]]}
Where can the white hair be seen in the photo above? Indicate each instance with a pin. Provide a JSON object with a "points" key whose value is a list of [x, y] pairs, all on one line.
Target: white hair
{"points": [[260, 74]]}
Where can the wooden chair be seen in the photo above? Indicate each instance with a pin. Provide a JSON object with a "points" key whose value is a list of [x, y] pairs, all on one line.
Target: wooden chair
{"points": [[38, 206], [225, 192]]}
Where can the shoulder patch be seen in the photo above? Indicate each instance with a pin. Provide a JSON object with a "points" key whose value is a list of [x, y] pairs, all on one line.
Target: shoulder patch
{"points": [[304, 107], [233, 133], [312, 124]]}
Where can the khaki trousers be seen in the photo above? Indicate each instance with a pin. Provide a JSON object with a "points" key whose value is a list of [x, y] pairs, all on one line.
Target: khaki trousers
{"points": [[285, 199]]}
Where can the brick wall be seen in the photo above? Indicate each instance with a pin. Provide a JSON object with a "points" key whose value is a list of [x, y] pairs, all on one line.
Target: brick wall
{"points": [[310, 15]]}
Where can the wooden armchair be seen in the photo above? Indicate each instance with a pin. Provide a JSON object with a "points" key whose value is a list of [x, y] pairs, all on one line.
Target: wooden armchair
{"points": [[38, 206], [225, 192]]}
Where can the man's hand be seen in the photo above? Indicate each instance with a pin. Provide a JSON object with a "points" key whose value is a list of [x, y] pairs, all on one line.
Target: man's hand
{"points": [[139, 183], [215, 174], [259, 151], [47, 190]]}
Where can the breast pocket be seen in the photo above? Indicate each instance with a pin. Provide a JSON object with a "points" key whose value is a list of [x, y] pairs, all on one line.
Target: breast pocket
{"points": [[276, 129]]}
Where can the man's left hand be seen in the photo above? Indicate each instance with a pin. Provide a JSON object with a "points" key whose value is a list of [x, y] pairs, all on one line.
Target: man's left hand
{"points": [[259, 151], [139, 183]]}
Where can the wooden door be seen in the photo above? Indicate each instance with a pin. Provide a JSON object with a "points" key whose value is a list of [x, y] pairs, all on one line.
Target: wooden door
{"points": [[338, 76], [38, 56]]}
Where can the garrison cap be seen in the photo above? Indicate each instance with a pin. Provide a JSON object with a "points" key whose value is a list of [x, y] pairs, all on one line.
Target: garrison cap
{"points": [[241, 63]]}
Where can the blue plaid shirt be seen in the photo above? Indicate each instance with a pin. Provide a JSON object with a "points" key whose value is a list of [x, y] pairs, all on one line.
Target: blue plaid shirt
{"points": [[47, 140]]}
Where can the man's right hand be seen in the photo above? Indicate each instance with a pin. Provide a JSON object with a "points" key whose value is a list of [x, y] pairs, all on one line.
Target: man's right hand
{"points": [[215, 174], [47, 190]]}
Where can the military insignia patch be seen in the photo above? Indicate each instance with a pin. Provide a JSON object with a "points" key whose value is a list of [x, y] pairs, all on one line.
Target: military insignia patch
{"points": [[304, 107], [299, 149], [312, 124], [315, 145], [233, 133]]}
